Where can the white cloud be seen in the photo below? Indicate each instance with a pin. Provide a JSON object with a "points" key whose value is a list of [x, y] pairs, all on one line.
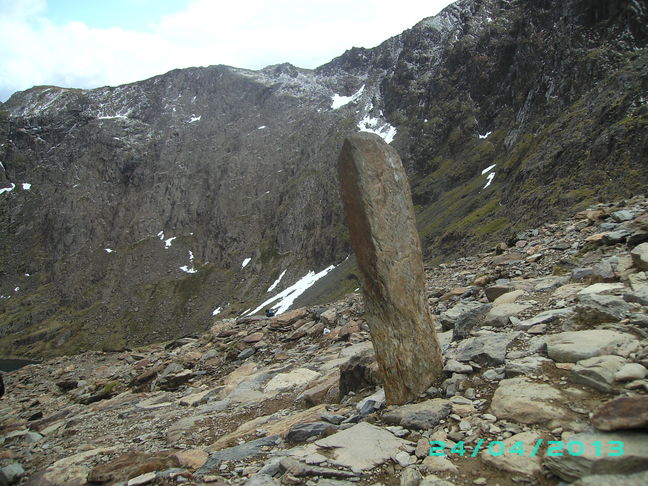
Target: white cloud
{"points": [[244, 33]]}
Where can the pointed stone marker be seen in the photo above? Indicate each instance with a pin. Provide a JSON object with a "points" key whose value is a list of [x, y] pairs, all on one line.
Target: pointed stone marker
{"points": [[380, 216]]}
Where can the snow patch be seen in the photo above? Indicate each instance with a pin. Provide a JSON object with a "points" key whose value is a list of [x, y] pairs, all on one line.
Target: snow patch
{"points": [[488, 169], [167, 241], [262, 127], [8, 189], [188, 269], [16, 289], [245, 262], [217, 311], [485, 135], [374, 125], [288, 296], [26, 186], [340, 101], [111, 117], [274, 285], [489, 179], [194, 118], [108, 250]]}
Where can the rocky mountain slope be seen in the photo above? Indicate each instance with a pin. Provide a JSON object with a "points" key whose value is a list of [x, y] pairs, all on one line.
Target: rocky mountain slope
{"points": [[543, 340], [133, 214]]}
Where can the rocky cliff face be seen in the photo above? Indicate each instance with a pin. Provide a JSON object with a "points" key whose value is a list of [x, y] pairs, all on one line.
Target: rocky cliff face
{"points": [[128, 212]]}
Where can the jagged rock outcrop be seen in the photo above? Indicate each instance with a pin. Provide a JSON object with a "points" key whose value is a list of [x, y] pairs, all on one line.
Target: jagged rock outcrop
{"points": [[378, 211], [505, 113]]}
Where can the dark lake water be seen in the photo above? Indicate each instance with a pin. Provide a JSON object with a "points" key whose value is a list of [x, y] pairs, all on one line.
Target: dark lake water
{"points": [[14, 364]]}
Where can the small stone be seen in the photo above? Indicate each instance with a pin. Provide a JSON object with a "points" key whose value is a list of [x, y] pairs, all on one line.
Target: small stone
{"points": [[410, 477], [639, 256], [509, 297], [142, 479], [500, 314], [253, 338], [434, 464], [496, 291], [621, 216], [631, 371], [372, 403], [246, 353], [329, 317], [486, 350], [12, 472], [422, 448], [424, 415], [433, 480], [494, 375], [454, 366], [404, 459], [304, 432], [333, 418]]}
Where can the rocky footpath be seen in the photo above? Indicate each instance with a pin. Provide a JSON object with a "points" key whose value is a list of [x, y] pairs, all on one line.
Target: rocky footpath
{"points": [[545, 343]]}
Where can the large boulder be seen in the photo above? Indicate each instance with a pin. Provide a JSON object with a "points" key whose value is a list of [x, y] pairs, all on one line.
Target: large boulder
{"points": [[379, 213]]}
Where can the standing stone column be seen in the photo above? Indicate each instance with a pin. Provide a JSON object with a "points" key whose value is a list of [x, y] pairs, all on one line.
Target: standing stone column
{"points": [[380, 216]]}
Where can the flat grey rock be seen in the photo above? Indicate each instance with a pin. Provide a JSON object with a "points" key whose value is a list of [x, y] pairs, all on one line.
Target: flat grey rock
{"points": [[500, 314], [262, 480], [602, 453], [597, 372], [362, 447], [599, 308], [622, 215], [573, 346], [424, 415], [524, 366], [486, 350], [545, 318], [639, 256], [636, 479], [522, 400], [463, 317], [516, 463], [432, 480], [237, 453], [302, 432]]}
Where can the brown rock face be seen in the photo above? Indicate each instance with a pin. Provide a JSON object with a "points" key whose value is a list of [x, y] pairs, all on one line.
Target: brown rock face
{"points": [[380, 216]]}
